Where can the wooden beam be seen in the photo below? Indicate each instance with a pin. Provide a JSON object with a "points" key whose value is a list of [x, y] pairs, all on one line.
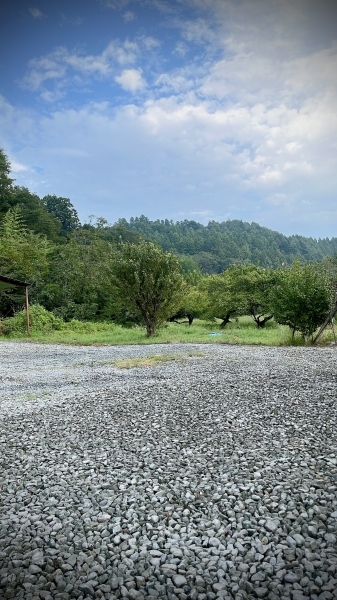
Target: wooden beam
{"points": [[27, 311]]}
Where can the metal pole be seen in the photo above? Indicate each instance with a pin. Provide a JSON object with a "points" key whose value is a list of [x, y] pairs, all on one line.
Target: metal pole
{"points": [[27, 311]]}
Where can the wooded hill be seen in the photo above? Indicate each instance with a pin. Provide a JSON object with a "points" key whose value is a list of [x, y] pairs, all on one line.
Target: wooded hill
{"points": [[211, 248], [217, 245]]}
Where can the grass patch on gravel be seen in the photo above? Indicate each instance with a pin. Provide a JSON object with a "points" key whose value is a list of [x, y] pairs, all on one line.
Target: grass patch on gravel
{"points": [[150, 361], [240, 331]]}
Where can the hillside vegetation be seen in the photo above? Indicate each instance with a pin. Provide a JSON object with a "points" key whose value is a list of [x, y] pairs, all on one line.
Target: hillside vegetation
{"points": [[217, 245]]}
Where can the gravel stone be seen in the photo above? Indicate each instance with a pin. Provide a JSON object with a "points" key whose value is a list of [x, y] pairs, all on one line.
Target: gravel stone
{"points": [[211, 476], [179, 580], [261, 592]]}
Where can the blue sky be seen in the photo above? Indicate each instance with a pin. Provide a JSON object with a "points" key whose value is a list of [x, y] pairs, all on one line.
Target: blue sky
{"points": [[188, 109]]}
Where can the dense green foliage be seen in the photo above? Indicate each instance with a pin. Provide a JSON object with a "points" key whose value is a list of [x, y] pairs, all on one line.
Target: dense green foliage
{"points": [[218, 245], [45, 322], [33, 211], [148, 281], [240, 290], [301, 297], [5, 181], [41, 320], [78, 285], [24, 255], [64, 211]]}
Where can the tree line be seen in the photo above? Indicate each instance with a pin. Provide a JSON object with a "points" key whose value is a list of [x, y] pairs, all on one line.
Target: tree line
{"points": [[299, 296], [216, 246], [98, 271]]}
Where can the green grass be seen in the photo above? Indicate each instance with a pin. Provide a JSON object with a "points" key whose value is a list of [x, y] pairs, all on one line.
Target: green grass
{"points": [[242, 331], [150, 361]]}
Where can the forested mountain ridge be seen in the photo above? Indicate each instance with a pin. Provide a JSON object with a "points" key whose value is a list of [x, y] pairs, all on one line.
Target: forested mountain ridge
{"points": [[217, 245]]}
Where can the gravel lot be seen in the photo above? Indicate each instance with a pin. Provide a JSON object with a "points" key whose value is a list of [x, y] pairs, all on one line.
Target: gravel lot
{"points": [[214, 476]]}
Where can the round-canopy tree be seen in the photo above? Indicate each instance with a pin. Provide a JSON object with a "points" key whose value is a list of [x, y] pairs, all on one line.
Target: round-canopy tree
{"points": [[301, 297], [242, 290], [149, 281], [64, 211]]}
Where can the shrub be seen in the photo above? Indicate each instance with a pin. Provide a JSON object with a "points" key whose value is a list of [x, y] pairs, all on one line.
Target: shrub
{"points": [[87, 326], [41, 320]]}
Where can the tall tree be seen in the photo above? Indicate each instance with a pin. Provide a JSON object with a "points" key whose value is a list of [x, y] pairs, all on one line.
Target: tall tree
{"points": [[23, 255], [5, 182], [149, 282], [79, 282], [64, 211], [34, 213]]}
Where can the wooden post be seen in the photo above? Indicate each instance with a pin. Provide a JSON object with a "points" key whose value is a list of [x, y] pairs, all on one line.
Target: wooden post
{"points": [[326, 322], [27, 311]]}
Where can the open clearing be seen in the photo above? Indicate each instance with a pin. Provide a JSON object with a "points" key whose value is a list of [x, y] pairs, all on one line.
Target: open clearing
{"points": [[211, 475]]}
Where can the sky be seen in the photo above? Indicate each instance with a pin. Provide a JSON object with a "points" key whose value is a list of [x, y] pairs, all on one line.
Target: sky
{"points": [[182, 109]]}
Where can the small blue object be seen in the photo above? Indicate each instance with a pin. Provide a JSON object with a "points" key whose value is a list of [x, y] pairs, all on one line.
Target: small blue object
{"points": [[213, 333]]}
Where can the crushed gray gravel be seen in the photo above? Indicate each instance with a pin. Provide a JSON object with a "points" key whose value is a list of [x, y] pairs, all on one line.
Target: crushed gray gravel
{"points": [[212, 476]]}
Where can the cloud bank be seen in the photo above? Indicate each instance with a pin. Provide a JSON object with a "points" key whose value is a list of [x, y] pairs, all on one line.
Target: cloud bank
{"points": [[236, 119]]}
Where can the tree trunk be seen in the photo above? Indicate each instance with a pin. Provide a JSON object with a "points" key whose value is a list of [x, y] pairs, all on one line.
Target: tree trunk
{"points": [[262, 323], [227, 318], [181, 315], [150, 328]]}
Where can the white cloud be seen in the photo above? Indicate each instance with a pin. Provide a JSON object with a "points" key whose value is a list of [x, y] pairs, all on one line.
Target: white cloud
{"points": [[71, 20], [148, 42], [189, 157], [131, 80], [181, 49], [176, 83], [63, 68], [122, 53], [129, 16], [36, 13], [250, 115], [50, 67], [165, 7], [18, 167], [197, 31], [313, 72], [61, 64], [114, 4]]}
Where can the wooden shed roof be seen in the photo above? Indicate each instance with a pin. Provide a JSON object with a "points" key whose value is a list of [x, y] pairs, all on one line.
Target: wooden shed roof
{"points": [[8, 282]]}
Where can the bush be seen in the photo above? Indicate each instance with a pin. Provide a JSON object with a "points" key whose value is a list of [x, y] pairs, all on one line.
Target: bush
{"points": [[41, 320], [87, 326], [301, 298]]}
